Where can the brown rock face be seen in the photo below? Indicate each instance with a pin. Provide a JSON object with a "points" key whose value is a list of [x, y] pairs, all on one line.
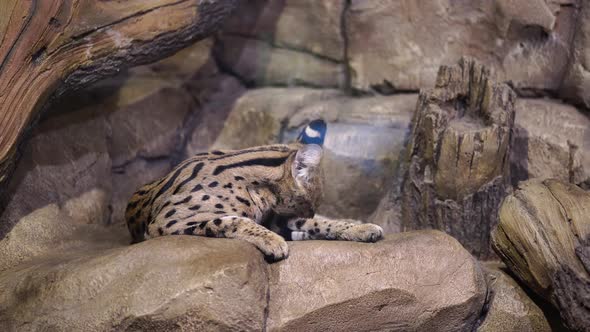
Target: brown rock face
{"points": [[417, 281], [543, 237], [510, 308], [258, 43], [458, 156], [550, 140], [414, 281], [576, 85], [167, 283], [403, 43]]}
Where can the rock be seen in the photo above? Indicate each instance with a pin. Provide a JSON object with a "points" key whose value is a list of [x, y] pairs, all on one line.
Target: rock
{"points": [[362, 149], [576, 85], [257, 116], [77, 227], [317, 23], [510, 308], [542, 235], [416, 281], [258, 63], [66, 156], [551, 140], [458, 156], [215, 97], [365, 137], [258, 43], [91, 281], [529, 47], [195, 284]]}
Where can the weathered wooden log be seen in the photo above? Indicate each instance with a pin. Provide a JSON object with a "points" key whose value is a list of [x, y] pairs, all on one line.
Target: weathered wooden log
{"points": [[543, 236], [458, 169], [50, 46]]}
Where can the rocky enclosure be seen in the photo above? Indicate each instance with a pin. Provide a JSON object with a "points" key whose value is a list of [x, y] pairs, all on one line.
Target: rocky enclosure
{"points": [[273, 66]]}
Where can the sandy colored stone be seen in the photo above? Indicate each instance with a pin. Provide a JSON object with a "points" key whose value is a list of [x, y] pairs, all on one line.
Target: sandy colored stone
{"points": [[416, 281], [176, 283], [551, 140], [542, 235], [260, 64], [257, 116], [318, 24], [510, 309], [401, 44], [576, 85]]}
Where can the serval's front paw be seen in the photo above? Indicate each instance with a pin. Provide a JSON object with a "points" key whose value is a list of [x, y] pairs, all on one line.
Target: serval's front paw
{"points": [[365, 233], [274, 247]]}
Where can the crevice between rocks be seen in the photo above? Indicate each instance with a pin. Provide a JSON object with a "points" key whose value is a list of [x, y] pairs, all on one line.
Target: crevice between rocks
{"points": [[345, 58]]}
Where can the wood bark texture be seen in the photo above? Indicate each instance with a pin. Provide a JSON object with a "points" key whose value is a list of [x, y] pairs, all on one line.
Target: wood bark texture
{"points": [[543, 236], [458, 165], [50, 46]]}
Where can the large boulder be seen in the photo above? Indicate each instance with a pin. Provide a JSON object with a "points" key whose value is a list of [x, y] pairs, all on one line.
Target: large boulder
{"points": [[362, 148], [92, 281], [417, 281], [510, 309], [576, 85], [527, 41], [258, 43], [551, 140], [544, 238]]}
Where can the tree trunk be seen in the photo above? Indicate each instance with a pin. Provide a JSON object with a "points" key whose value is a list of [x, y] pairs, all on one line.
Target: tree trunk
{"points": [[50, 46], [458, 165], [544, 238]]}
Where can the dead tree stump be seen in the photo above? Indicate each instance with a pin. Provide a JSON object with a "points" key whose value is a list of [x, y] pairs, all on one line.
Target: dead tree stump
{"points": [[458, 165], [50, 46], [544, 237]]}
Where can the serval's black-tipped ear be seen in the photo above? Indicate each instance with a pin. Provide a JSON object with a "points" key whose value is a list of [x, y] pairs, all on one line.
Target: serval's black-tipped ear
{"points": [[313, 133]]}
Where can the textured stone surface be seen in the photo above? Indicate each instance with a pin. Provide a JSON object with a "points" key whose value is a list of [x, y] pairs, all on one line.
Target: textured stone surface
{"points": [[258, 43], [92, 280], [166, 283], [510, 309], [417, 281], [529, 47], [543, 237], [363, 145], [258, 63], [576, 85], [551, 140]]}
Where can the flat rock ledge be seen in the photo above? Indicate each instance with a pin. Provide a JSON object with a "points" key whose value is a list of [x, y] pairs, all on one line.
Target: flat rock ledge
{"points": [[414, 281]]}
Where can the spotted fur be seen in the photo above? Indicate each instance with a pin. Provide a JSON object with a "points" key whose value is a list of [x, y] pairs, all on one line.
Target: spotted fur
{"points": [[234, 193]]}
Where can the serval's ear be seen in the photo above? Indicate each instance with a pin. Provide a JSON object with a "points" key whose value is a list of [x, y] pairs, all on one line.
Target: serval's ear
{"points": [[313, 133], [306, 162]]}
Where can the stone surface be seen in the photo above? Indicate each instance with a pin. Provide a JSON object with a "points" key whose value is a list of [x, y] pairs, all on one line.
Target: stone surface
{"points": [[259, 64], [363, 145], [510, 309], [543, 233], [416, 281], [551, 140], [92, 280], [529, 47], [194, 284], [258, 43], [576, 85]]}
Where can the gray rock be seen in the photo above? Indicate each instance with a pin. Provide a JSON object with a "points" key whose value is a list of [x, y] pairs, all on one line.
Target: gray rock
{"points": [[317, 24], [416, 281], [510, 309], [576, 85], [528, 47], [551, 140], [194, 284], [259, 63]]}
